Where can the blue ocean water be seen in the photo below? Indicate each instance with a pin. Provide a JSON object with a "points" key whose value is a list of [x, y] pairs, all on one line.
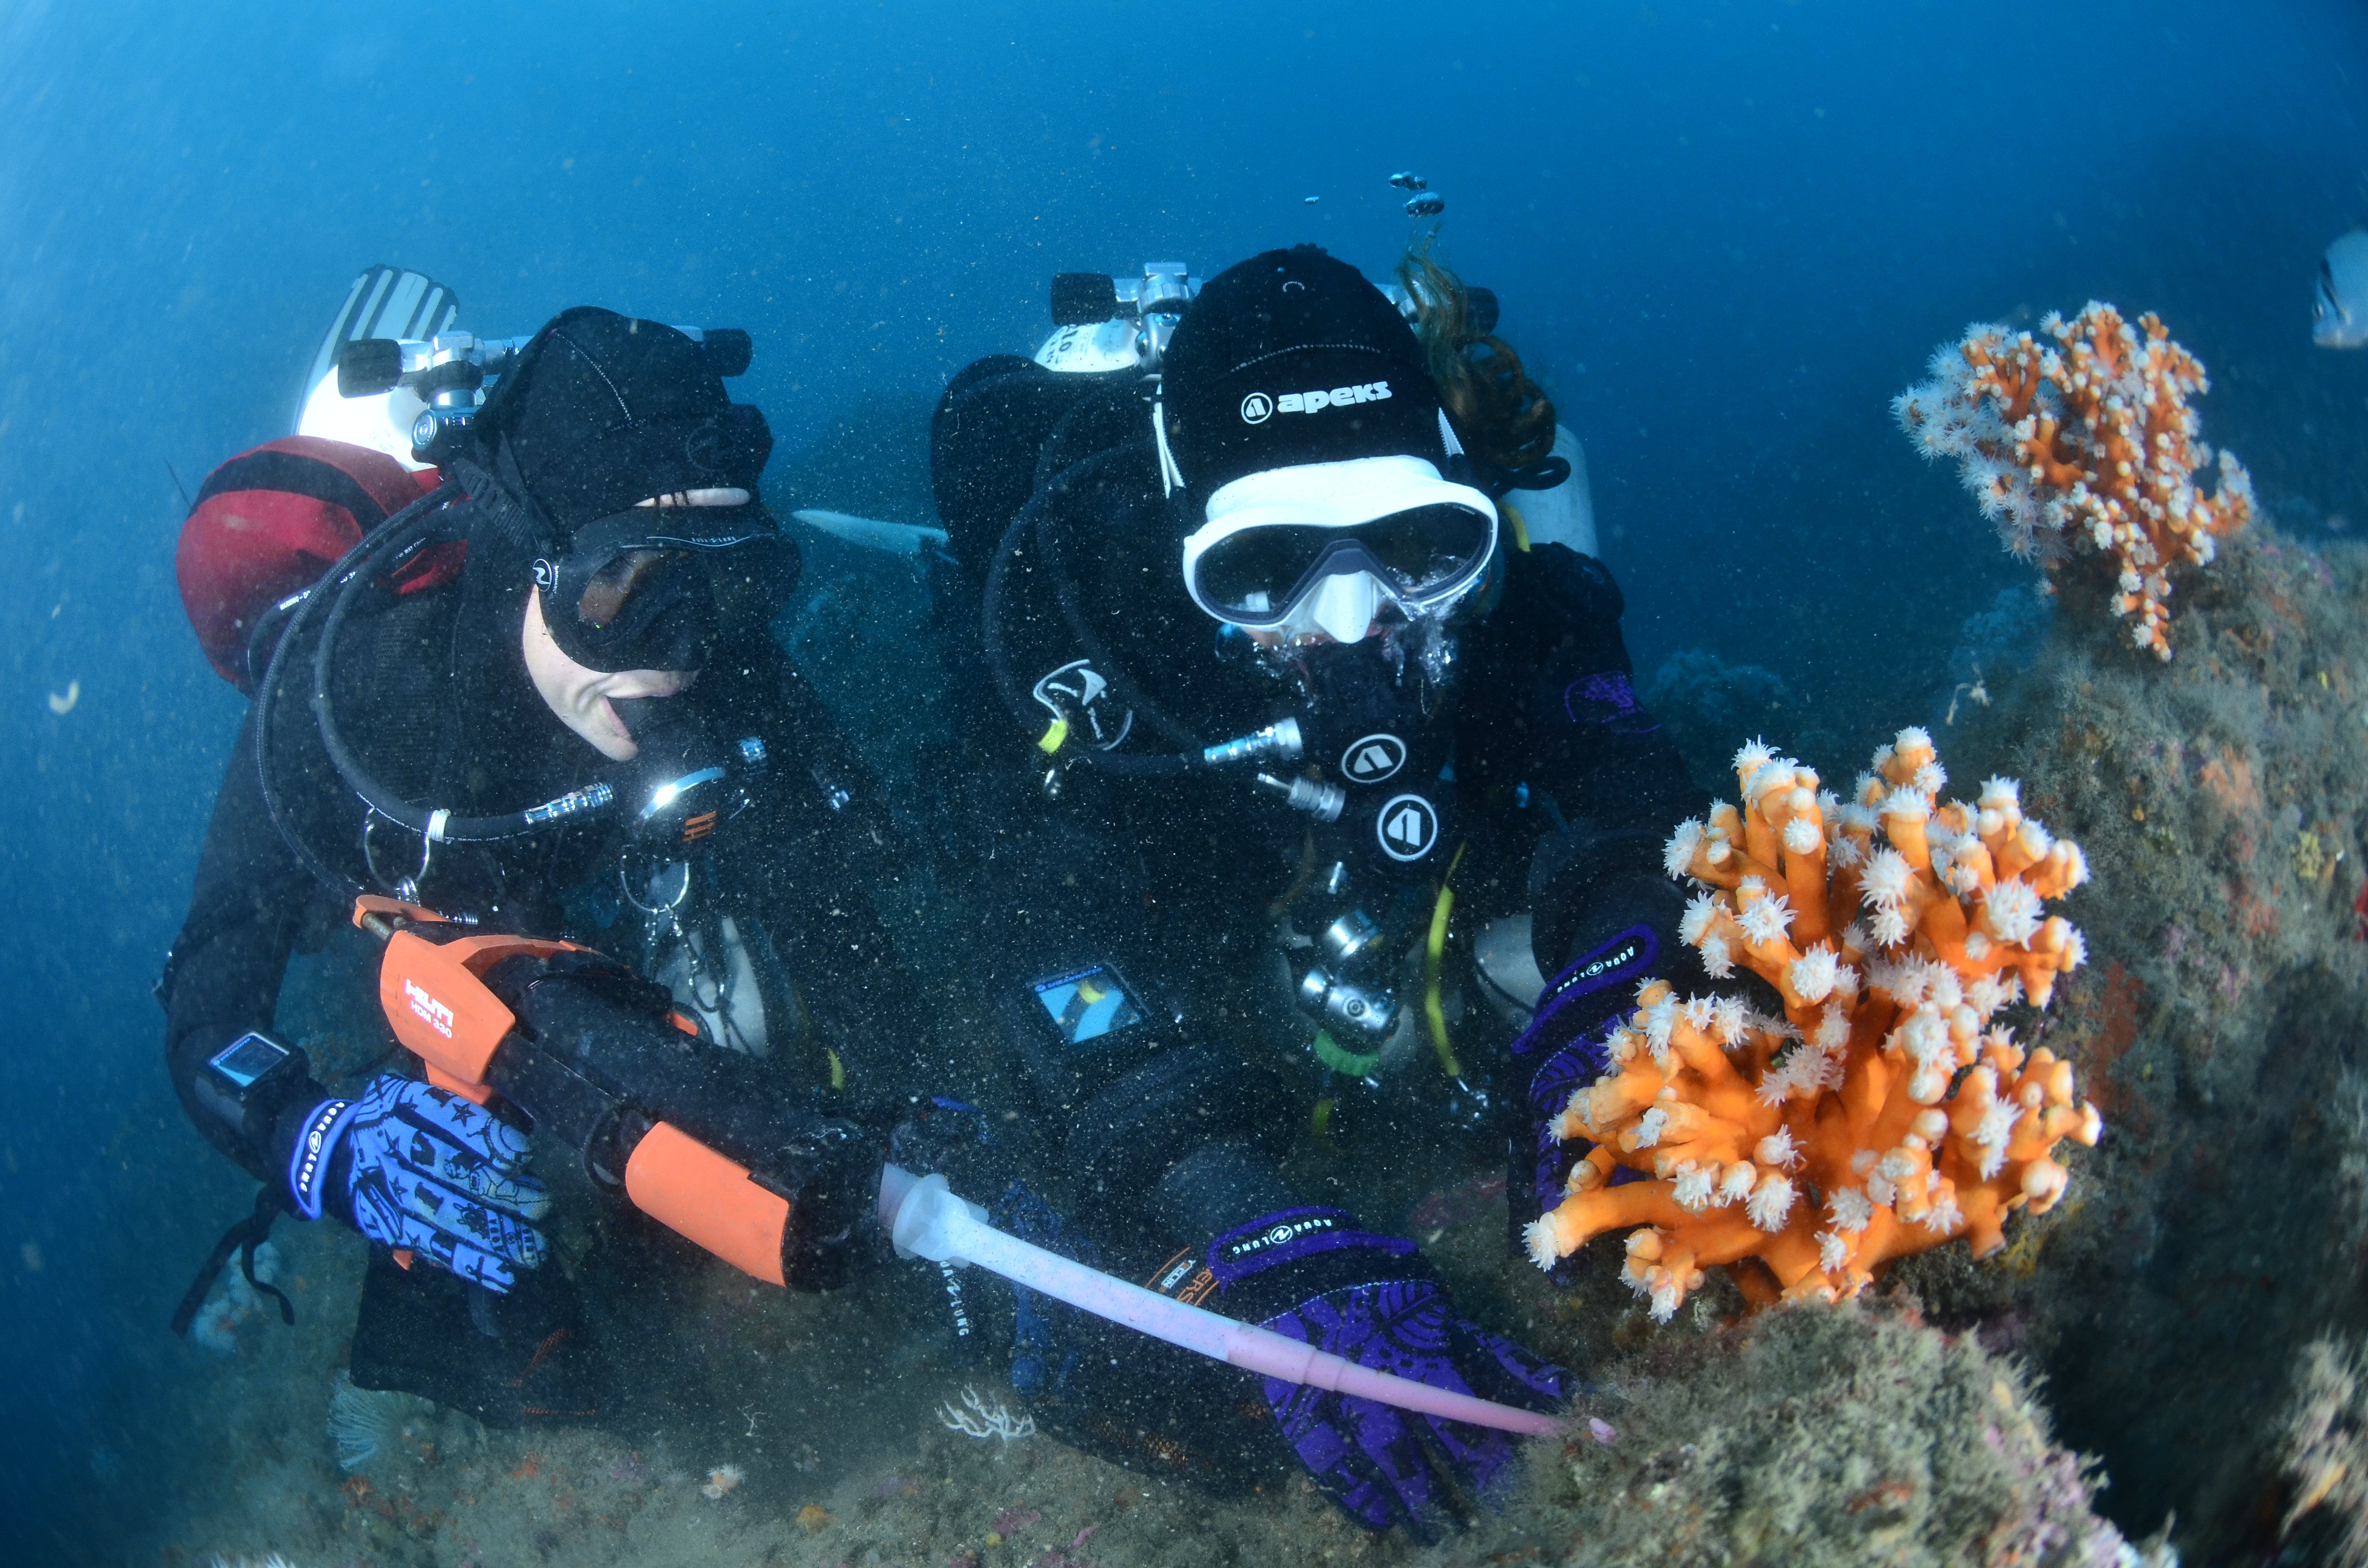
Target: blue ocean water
{"points": [[1725, 233]]}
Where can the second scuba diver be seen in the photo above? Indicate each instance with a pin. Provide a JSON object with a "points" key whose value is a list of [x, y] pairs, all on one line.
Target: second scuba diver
{"points": [[1280, 665], [588, 731]]}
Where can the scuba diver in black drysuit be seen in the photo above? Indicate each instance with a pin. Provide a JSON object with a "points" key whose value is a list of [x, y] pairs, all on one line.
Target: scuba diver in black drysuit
{"points": [[1286, 547], [589, 734]]}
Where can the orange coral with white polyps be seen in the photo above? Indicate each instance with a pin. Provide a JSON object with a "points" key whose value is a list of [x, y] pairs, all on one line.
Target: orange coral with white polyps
{"points": [[1885, 1112], [2089, 440]]}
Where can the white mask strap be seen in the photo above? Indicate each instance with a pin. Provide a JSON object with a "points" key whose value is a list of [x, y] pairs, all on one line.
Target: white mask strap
{"points": [[1171, 478]]}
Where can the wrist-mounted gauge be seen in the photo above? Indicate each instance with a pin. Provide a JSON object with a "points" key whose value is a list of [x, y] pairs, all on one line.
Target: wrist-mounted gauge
{"points": [[245, 1083]]}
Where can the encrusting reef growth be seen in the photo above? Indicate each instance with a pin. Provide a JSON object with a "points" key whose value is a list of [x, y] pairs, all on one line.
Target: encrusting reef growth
{"points": [[1887, 1111], [1837, 1436], [2193, 1298], [2090, 441], [2218, 1230]]}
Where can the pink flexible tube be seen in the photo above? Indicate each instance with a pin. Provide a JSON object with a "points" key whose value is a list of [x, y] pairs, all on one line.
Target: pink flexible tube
{"points": [[927, 1221]]}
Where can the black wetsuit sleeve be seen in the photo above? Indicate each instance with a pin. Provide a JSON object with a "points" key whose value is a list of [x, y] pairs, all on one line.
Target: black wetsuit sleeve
{"points": [[823, 846], [222, 978], [1584, 738]]}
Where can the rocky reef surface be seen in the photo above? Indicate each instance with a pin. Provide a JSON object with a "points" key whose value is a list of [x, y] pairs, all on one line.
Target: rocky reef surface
{"points": [[2195, 1302], [2218, 1233]]}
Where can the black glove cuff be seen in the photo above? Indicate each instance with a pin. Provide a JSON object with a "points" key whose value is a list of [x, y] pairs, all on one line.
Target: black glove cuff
{"points": [[1274, 1263], [302, 1118]]}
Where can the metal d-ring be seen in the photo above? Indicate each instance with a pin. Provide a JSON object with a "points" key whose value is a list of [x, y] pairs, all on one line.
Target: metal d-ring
{"points": [[666, 906], [403, 888]]}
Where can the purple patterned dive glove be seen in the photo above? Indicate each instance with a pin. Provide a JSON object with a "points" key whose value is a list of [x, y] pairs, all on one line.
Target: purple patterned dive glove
{"points": [[1382, 1465], [432, 1173]]}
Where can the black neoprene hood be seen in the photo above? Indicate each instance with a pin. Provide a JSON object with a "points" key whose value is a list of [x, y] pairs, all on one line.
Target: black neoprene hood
{"points": [[1292, 357], [604, 411]]}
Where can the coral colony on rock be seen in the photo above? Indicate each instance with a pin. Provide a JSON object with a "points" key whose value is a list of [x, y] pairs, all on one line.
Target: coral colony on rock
{"points": [[1885, 1113], [236, 1303], [2090, 441]]}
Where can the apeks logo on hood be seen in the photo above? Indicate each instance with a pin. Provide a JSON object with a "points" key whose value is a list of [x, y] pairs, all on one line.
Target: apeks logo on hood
{"points": [[1257, 408]]}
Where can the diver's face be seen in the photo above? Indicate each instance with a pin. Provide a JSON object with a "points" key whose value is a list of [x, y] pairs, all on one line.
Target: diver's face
{"points": [[580, 696]]}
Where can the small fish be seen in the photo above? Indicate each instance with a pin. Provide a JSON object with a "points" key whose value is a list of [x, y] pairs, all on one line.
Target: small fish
{"points": [[1311, 201], [1430, 204], [62, 703], [2341, 319], [870, 533], [1406, 179]]}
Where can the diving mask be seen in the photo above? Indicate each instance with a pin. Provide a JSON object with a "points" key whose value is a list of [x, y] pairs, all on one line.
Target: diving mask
{"points": [[1322, 547], [635, 590]]}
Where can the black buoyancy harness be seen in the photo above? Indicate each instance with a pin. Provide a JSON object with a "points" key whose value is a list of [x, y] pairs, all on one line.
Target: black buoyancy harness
{"points": [[1379, 725]]}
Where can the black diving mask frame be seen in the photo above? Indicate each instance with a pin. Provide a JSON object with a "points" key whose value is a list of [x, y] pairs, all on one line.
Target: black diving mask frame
{"points": [[632, 591]]}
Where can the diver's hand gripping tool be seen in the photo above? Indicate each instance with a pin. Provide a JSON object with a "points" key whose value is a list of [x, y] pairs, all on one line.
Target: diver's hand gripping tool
{"points": [[590, 1052], [594, 1056]]}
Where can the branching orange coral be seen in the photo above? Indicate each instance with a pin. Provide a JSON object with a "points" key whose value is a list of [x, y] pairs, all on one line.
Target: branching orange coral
{"points": [[1883, 1113], [2091, 440]]}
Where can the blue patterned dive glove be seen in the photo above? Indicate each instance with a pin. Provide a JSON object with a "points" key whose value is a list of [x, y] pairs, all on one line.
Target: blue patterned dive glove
{"points": [[428, 1171], [1382, 1465]]}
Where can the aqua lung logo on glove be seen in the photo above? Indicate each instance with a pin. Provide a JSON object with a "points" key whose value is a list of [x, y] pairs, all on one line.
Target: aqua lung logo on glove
{"points": [[1372, 758], [309, 1159], [1408, 827], [1280, 1234], [1257, 408], [1595, 966]]}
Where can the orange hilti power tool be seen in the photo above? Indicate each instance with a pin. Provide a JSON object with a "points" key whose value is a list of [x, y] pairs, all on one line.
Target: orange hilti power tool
{"points": [[704, 1140]]}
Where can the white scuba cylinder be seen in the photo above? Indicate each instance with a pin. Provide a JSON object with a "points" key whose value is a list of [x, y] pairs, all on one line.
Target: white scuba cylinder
{"points": [[1564, 515], [385, 302]]}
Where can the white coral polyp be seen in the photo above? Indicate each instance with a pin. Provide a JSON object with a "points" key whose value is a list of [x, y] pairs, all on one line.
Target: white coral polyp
{"points": [[1767, 918], [1813, 973], [1833, 1251], [2012, 911], [1677, 854], [1944, 1218], [1772, 1203], [1702, 914], [1884, 884], [1728, 1018], [1650, 1126]]}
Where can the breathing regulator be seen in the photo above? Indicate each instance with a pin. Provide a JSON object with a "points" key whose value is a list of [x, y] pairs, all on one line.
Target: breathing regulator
{"points": [[450, 371], [1104, 323]]}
